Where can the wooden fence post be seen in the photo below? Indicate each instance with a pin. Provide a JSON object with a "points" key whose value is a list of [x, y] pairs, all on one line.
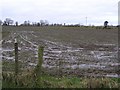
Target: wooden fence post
{"points": [[40, 61], [16, 57]]}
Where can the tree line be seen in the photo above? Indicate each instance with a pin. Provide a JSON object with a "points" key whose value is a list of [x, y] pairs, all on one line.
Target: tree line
{"points": [[10, 22]]}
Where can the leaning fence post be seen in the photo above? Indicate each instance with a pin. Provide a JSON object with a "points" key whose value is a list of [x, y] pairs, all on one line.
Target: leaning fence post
{"points": [[16, 57], [40, 60]]}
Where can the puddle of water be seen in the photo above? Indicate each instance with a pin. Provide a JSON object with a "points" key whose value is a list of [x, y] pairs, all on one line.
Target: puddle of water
{"points": [[112, 75], [7, 50], [106, 44], [102, 54], [56, 52], [87, 66], [8, 58], [9, 41], [84, 66], [115, 64], [72, 50]]}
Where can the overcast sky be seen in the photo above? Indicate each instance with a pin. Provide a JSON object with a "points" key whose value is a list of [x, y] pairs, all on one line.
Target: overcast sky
{"points": [[61, 11]]}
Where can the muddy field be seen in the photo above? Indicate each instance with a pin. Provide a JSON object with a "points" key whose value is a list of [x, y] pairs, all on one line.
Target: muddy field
{"points": [[78, 51]]}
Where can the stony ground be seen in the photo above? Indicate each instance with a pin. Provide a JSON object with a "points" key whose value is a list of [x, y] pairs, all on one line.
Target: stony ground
{"points": [[67, 50]]}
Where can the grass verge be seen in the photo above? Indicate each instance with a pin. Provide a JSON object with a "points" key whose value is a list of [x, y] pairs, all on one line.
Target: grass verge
{"points": [[29, 80]]}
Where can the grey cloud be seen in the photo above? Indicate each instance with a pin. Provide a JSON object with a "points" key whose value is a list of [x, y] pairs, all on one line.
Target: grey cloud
{"points": [[61, 10]]}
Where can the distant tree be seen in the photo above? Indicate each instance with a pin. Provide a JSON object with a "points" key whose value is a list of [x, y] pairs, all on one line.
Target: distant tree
{"points": [[42, 23], [11, 22], [28, 22], [25, 23], [105, 24], [8, 21], [4, 23], [64, 24], [33, 24], [1, 22], [38, 24], [46, 23], [16, 23]]}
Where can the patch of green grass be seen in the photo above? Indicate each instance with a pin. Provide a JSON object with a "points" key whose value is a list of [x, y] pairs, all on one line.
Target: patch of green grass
{"points": [[29, 80]]}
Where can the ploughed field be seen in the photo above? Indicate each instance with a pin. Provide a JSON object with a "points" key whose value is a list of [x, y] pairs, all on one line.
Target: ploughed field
{"points": [[78, 51]]}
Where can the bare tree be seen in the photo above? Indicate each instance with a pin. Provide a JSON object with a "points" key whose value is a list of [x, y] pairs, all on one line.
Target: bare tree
{"points": [[9, 21], [44, 23], [5, 24], [38, 24], [27, 23]]}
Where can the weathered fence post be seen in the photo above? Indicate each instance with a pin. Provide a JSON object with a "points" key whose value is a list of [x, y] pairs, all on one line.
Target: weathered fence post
{"points": [[16, 57], [40, 60]]}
